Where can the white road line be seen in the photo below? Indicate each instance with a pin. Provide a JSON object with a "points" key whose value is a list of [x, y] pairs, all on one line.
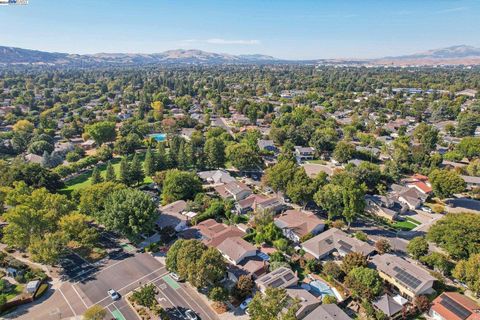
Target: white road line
{"points": [[78, 294], [66, 300], [138, 280], [198, 304], [190, 305], [163, 294]]}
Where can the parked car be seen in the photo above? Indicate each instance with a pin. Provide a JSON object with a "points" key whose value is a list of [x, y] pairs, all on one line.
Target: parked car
{"points": [[426, 209], [245, 303], [114, 295], [190, 315], [175, 276]]}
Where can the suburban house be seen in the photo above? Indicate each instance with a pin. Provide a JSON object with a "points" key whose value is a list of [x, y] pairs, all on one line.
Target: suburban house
{"points": [[213, 233], [274, 205], [171, 216], [280, 278], [267, 145], [216, 177], [385, 207], [335, 240], [410, 279], [472, 182], [236, 249], [304, 153], [307, 302], [249, 203], [419, 182], [327, 312], [297, 224], [409, 196], [454, 306], [390, 306], [235, 189]]}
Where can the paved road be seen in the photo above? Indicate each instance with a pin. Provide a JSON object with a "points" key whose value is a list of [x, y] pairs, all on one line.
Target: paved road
{"points": [[123, 274]]}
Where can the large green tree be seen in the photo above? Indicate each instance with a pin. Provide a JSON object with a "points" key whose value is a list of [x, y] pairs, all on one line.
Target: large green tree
{"points": [[364, 283], [446, 183], [101, 132], [180, 185]]}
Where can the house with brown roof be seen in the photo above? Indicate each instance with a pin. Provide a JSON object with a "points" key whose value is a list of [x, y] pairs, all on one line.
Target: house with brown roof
{"points": [[410, 279], [235, 189], [335, 240], [275, 205], [419, 182], [296, 224], [236, 249], [282, 278], [213, 233], [172, 216], [454, 306]]}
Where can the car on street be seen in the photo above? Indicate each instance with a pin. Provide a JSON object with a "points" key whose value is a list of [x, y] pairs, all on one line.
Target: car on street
{"points": [[245, 303], [190, 315], [175, 276], [114, 295]]}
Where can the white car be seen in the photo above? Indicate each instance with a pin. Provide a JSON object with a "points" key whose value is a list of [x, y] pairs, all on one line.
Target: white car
{"points": [[426, 209], [190, 315], [113, 294], [174, 276], [245, 303]]}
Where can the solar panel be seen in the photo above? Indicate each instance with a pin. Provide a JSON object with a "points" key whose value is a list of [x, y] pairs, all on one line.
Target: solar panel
{"points": [[289, 276], [455, 307], [344, 244], [329, 241], [406, 278], [345, 249], [277, 283]]}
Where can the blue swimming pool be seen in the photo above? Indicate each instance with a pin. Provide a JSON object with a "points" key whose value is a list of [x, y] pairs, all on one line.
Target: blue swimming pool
{"points": [[159, 137], [321, 288]]}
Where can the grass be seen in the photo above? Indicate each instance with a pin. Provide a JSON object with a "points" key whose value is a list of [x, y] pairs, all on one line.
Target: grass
{"points": [[404, 225], [84, 180], [317, 161], [413, 221]]}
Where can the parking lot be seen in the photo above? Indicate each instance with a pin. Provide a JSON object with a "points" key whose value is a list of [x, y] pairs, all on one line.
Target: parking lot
{"points": [[124, 270]]}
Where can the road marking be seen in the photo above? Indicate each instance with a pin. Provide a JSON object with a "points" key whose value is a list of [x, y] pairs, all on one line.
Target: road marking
{"points": [[171, 302], [66, 300], [198, 304], [117, 314], [78, 294], [138, 280], [172, 283]]}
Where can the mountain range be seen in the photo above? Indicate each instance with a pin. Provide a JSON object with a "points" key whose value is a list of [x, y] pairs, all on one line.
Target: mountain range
{"points": [[454, 55]]}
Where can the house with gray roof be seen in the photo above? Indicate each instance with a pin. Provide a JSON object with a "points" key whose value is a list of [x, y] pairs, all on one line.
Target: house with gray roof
{"points": [[388, 305], [335, 240], [327, 312], [282, 277]]}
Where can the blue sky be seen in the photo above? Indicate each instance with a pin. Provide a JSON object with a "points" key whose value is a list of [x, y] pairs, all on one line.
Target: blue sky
{"points": [[294, 29]]}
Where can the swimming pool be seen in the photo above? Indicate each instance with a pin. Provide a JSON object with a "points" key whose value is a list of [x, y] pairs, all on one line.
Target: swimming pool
{"points": [[321, 288], [159, 137]]}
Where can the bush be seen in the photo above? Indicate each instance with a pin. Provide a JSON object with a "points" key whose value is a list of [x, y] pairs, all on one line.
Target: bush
{"points": [[329, 299], [41, 290], [360, 235]]}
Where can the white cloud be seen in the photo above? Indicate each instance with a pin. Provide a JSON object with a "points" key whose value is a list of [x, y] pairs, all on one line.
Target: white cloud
{"points": [[224, 41]]}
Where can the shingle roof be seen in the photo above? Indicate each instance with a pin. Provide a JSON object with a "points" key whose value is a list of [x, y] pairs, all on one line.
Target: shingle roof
{"points": [[300, 222], [235, 248], [327, 312], [387, 305]]}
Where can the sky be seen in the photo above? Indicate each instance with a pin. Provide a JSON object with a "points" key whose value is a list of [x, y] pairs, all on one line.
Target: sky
{"points": [[289, 29]]}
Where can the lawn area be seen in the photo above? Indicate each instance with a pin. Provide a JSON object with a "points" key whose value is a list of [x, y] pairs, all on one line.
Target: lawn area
{"points": [[84, 180], [317, 161], [404, 225]]}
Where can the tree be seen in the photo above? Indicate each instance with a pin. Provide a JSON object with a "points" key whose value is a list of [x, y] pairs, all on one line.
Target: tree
{"points": [[243, 288], [344, 151], [458, 234], [446, 183], [417, 247], [125, 171], [101, 132], [427, 135], [47, 249], [383, 246], [243, 157], [218, 294], [76, 227], [149, 164], [41, 146], [96, 176], [129, 212], [364, 283], [323, 140], [93, 197], [215, 153], [301, 189], [268, 306], [279, 175], [332, 269], [468, 272], [95, 312], [127, 145], [438, 261], [330, 199], [145, 296], [32, 174], [209, 269], [172, 254], [353, 260], [180, 185], [422, 303], [110, 175], [469, 147], [136, 171]]}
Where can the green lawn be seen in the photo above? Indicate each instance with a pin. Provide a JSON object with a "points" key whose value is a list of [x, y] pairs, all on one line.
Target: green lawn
{"points": [[84, 180], [404, 225]]}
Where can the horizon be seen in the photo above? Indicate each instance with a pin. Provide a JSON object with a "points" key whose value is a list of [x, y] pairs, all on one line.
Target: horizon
{"points": [[303, 30]]}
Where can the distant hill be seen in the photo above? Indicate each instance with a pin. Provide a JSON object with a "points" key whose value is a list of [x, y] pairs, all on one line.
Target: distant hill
{"points": [[10, 55], [454, 55]]}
